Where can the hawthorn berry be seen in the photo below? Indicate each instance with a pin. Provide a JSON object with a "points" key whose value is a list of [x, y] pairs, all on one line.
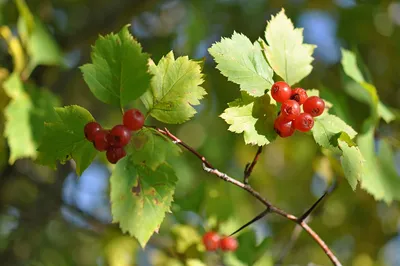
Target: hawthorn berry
{"points": [[91, 129], [304, 122], [314, 106], [211, 241], [114, 154], [283, 127], [281, 91], [228, 243], [133, 119], [101, 140], [119, 136], [290, 109], [299, 95]]}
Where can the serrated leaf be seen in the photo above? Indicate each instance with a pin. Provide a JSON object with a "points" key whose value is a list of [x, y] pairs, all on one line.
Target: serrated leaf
{"points": [[288, 56], [175, 89], [65, 139], [326, 127], [380, 178], [254, 119], [140, 197], [118, 73], [151, 148], [243, 63], [25, 115], [349, 63], [352, 161]]}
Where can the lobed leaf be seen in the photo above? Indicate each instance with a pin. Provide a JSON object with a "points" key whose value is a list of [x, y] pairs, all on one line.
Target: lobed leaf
{"points": [[64, 139], [288, 56], [175, 89], [140, 197], [118, 73], [243, 63]]}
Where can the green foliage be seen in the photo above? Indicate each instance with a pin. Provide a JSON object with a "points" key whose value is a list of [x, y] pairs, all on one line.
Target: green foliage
{"points": [[378, 176], [254, 117], [118, 73], [140, 197], [248, 251], [175, 88], [64, 139], [243, 63], [25, 115], [352, 160], [151, 148], [40, 45], [288, 56]]}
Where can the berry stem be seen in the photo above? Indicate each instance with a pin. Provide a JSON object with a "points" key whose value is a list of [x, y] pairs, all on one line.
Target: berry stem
{"points": [[207, 166]]}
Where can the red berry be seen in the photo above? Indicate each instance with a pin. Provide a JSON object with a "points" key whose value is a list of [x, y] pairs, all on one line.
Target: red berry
{"points": [[115, 154], [283, 127], [133, 119], [281, 91], [304, 122], [228, 243], [119, 136], [211, 241], [101, 140], [314, 106], [290, 109], [299, 95], [91, 129]]}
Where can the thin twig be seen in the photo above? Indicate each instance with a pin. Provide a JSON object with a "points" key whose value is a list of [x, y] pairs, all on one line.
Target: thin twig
{"points": [[207, 166], [250, 166]]}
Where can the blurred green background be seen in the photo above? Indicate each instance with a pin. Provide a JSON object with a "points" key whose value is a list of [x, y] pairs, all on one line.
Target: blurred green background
{"points": [[54, 218]]}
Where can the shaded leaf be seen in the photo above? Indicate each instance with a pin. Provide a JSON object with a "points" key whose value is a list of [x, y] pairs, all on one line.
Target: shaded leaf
{"points": [[65, 139], [118, 73], [288, 56], [175, 89], [151, 148], [243, 63], [352, 161], [140, 197]]}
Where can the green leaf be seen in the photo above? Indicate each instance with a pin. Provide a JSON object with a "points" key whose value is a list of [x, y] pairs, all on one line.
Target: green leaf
{"points": [[350, 67], [288, 56], [25, 115], [255, 119], [151, 148], [140, 197], [380, 178], [40, 45], [385, 113], [119, 72], [326, 127], [64, 139], [352, 160], [175, 88], [243, 63], [185, 236]]}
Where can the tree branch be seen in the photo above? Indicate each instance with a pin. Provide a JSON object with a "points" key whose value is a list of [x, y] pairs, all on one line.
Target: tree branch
{"points": [[207, 166], [249, 167]]}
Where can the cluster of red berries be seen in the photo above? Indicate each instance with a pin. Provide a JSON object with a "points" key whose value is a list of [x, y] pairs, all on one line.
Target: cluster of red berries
{"points": [[212, 241], [290, 117], [113, 141]]}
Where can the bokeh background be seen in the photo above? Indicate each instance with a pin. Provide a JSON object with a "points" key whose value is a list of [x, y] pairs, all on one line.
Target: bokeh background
{"points": [[55, 218]]}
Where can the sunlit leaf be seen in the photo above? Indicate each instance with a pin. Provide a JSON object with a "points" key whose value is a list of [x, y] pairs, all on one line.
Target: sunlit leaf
{"points": [[255, 119], [175, 89], [243, 63], [288, 56]]}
